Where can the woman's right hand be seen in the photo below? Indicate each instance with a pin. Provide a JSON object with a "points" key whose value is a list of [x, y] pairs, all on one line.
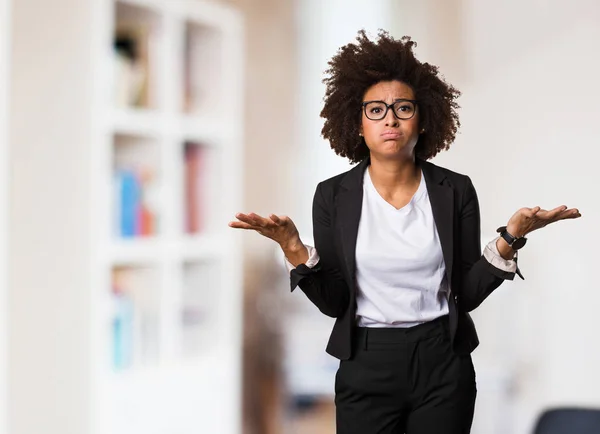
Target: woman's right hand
{"points": [[280, 229]]}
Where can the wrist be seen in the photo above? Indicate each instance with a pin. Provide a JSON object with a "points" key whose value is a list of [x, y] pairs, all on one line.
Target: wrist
{"points": [[504, 250], [292, 246], [515, 231], [512, 236], [296, 252]]}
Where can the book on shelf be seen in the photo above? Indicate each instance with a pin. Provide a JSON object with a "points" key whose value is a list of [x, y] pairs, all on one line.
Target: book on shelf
{"points": [[191, 91], [195, 184], [135, 325], [135, 202], [202, 57], [132, 66], [122, 329]]}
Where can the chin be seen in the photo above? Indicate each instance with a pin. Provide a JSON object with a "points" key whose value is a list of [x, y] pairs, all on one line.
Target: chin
{"points": [[393, 149], [395, 152]]}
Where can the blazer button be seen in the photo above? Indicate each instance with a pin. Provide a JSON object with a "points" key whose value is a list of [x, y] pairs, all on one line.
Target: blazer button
{"points": [[456, 299]]}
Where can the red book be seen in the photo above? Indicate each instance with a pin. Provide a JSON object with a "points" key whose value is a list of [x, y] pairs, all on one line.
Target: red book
{"points": [[193, 187]]}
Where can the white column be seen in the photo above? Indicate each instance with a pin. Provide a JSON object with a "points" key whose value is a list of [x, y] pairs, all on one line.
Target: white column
{"points": [[437, 27], [49, 256], [4, 86], [323, 27]]}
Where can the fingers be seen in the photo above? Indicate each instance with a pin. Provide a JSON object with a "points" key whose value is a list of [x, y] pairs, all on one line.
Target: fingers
{"points": [[260, 221], [255, 221], [246, 221], [544, 214], [242, 225], [252, 219], [559, 209], [275, 219], [531, 212], [553, 215], [562, 212], [569, 214]]}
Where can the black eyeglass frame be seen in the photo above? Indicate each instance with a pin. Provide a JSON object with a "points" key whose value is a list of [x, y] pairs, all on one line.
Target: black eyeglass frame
{"points": [[388, 106]]}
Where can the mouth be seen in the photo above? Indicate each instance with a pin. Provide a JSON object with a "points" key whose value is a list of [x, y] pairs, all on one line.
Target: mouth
{"points": [[390, 135]]}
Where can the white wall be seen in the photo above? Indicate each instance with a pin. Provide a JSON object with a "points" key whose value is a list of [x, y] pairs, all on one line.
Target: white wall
{"points": [[4, 85], [49, 205], [551, 145], [529, 76]]}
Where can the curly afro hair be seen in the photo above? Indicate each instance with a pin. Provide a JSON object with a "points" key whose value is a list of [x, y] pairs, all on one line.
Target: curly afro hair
{"points": [[358, 66]]}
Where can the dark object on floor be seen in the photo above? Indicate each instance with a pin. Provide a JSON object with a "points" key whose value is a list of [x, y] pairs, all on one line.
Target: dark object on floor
{"points": [[569, 421]]}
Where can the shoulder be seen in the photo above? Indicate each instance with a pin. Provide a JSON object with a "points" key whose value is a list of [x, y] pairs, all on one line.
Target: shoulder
{"points": [[328, 190], [333, 183], [455, 179], [350, 179]]}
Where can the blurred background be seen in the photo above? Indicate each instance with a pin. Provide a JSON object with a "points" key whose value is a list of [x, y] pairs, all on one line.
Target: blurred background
{"points": [[132, 131]]}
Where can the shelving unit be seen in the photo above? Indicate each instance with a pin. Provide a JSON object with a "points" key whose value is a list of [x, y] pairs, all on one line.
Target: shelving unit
{"points": [[167, 284]]}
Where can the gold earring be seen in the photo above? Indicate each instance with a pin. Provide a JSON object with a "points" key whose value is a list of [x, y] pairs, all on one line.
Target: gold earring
{"points": [[423, 130]]}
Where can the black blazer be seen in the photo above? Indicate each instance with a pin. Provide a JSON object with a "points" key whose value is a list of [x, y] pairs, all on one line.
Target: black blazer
{"points": [[331, 284]]}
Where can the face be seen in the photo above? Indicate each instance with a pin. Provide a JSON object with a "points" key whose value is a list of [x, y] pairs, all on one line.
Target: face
{"points": [[390, 137]]}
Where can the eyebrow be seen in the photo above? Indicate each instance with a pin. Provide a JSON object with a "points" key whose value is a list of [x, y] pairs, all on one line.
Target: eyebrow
{"points": [[396, 100]]}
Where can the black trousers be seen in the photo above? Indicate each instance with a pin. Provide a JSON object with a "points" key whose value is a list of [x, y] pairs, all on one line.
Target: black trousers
{"points": [[405, 381]]}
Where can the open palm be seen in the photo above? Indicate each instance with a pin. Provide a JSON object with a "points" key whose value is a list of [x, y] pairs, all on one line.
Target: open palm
{"points": [[527, 220], [281, 229]]}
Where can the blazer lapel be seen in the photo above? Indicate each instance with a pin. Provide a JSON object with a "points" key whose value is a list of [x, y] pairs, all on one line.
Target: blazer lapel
{"points": [[348, 204], [441, 197]]}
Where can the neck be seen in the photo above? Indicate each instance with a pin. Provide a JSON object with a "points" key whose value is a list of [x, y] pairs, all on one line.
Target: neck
{"points": [[393, 174]]}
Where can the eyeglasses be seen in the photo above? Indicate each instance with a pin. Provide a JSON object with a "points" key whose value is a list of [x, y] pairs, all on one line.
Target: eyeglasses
{"points": [[402, 108]]}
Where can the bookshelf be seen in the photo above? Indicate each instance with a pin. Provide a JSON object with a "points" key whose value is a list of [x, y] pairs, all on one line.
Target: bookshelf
{"points": [[4, 86], [167, 274]]}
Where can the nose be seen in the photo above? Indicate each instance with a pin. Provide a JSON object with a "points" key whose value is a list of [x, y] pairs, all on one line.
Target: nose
{"points": [[390, 118]]}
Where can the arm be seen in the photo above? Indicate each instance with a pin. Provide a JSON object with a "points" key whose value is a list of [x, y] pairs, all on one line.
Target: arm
{"points": [[323, 284], [479, 278]]}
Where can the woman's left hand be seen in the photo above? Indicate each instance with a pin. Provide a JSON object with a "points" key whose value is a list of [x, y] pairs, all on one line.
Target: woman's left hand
{"points": [[527, 220]]}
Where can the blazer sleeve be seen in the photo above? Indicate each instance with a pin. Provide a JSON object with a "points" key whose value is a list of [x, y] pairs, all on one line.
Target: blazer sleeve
{"points": [[323, 284], [479, 278]]}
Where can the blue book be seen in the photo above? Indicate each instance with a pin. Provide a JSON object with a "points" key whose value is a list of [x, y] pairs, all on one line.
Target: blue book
{"points": [[129, 203], [122, 332]]}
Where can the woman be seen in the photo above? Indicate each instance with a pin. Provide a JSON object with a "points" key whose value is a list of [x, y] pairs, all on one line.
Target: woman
{"points": [[397, 257]]}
